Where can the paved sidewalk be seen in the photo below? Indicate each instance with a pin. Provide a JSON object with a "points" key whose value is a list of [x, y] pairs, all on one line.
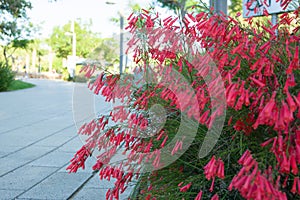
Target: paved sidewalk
{"points": [[37, 140]]}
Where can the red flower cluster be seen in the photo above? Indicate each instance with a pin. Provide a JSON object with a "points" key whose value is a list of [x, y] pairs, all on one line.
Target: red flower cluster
{"points": [[215, 168], [252, 184], [79, 159], [260, 73]]}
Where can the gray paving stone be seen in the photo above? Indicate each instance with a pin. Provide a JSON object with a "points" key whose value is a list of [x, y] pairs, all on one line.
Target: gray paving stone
{"points": [[8, 125], [7, 150], [96, 183], [28, 135], [57, 186], [32, 199], [91, 194], [58, 139], [72, 146], [97, 194], [53, 122], [10, 164], [3, 154], [9, 194], [18, 138], [31, 152], [21, 158], [54, 159], [25, 177], [42, 118], [96, 189], [38, 118]]}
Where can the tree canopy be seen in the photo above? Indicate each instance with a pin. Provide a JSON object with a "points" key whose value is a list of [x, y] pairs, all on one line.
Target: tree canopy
{"points": [[61, 41], [106, 51], [235, 7], [15, 27], [13, 13]]}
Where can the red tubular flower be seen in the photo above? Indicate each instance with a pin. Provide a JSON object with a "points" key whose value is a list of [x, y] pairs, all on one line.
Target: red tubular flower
{"points": [[279, 124], [287, 113], [210, 169], [79, 160], [297, 102], [244, 157], [220, 172], [156, 161], [294, 188], [291, 102], [180, 184], [214, 168], [215, 197], [285, 164], [293, 164], [266, 115], [269, 141], [164, 141], [148, 197], [186, 187], [294, 64], [204, 117], [199, 195], [269, 108], [177, 146], [247, 183], [212, 185], [98, 165]]}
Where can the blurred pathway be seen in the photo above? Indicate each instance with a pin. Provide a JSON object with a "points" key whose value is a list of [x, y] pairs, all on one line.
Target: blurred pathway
{"points": [[37, 140]]}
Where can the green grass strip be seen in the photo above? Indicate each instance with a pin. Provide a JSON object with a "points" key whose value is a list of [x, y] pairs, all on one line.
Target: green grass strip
{"points": [[19, 85]]}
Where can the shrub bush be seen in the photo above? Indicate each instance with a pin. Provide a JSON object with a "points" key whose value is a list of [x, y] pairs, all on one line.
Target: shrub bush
{"points": [[6, 77], [257, 154]]}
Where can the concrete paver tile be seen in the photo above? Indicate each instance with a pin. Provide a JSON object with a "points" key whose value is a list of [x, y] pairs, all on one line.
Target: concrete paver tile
{"points": [[5, 150], [91, 194], [58, 186], [98, 194], [72, 146], [25, 177], [54, 159], [58, 139], [96, 183], [21, 158], [38, 138], [9, 194]]}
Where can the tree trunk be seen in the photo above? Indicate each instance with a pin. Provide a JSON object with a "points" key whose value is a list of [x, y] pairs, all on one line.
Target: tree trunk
{"points": [[5, 56]]}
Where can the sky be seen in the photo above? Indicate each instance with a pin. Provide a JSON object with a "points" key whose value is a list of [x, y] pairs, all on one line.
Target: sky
{"points": [[50, 14]]}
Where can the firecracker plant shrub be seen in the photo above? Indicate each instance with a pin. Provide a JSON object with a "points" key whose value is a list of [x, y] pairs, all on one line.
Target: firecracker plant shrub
{"points": [[256, 156]]}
